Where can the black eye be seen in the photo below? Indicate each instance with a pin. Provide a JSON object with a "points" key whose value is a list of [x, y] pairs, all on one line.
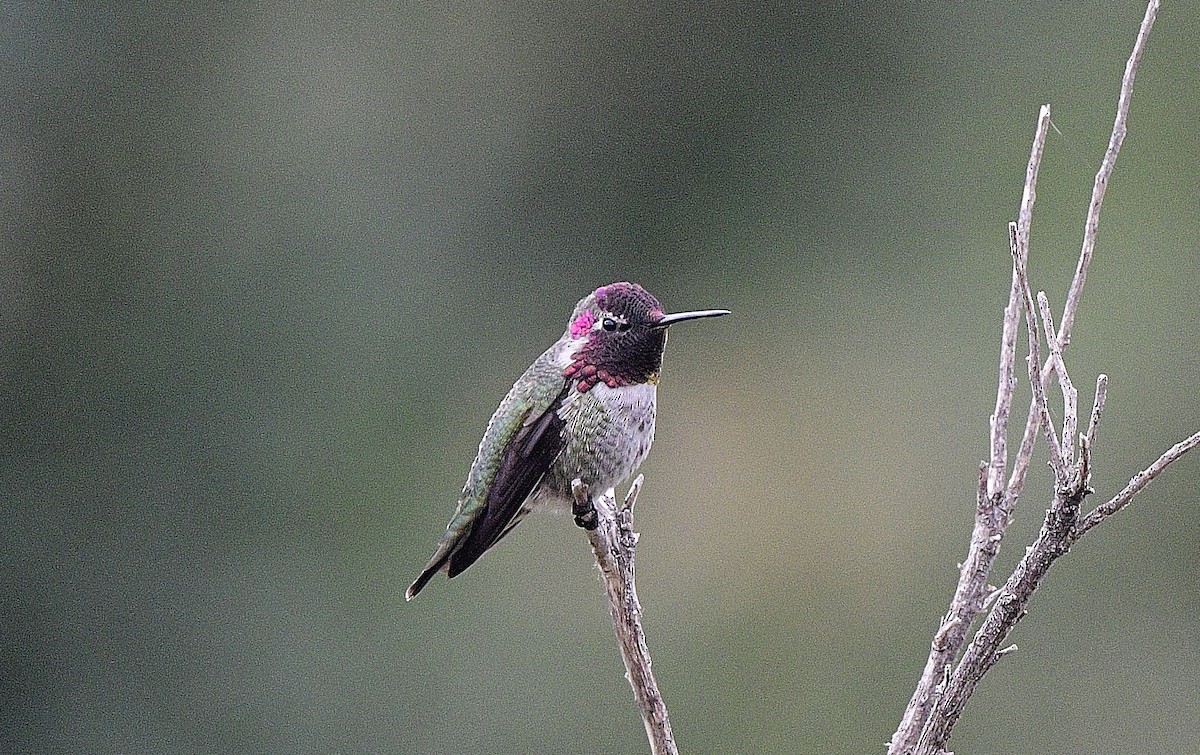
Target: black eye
{"points": [[609, 324]]}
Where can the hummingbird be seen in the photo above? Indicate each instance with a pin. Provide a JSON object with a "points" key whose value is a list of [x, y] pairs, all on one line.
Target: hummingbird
{"points": [[583, 410]]}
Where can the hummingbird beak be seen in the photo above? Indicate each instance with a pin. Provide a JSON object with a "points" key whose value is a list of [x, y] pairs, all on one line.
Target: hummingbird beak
{"points": [[666, 320]]}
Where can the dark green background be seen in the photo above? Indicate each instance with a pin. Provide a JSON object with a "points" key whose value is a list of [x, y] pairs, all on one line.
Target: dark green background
{"points": [[266, 270]]}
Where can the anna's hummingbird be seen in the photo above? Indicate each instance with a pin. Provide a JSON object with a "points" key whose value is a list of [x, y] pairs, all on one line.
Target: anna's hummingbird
{"points": [[583, 410]]}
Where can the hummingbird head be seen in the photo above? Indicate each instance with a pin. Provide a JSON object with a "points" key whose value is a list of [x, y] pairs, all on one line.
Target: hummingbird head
{"points": [[617, 335]]}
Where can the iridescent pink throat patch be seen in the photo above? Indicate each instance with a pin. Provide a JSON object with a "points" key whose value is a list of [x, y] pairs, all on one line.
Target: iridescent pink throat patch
{"points": [[582, 324]]}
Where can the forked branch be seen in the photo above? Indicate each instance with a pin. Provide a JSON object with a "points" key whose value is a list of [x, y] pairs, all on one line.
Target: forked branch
{"points": [[944, 688]]}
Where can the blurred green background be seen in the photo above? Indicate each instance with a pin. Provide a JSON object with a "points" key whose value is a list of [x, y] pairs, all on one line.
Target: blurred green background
{"points": [[266, 270]]}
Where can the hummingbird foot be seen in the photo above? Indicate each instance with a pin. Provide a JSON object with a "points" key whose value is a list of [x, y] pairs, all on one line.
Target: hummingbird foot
{"points": [[587, 520], [582, 506]]}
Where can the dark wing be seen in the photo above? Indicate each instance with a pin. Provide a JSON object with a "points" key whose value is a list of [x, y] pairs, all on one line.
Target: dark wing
{"points": [[523, 465], [491, 502]]}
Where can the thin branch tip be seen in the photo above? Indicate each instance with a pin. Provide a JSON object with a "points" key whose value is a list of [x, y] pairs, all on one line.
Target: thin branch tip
{"points": [[631, 496]]}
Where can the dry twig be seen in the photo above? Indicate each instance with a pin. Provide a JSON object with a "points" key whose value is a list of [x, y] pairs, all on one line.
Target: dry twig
{"points": [[994, 503], [1091, 227], [943, 691], [1136, 483], [610, 531]]}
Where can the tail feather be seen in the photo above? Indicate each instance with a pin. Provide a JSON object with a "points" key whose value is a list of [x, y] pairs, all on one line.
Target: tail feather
{"points": [[419, 583], [455, 554], [478, 542]]}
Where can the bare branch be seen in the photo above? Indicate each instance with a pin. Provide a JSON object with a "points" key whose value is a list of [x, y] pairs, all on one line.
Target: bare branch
{"points": [[1053, 542], [993, 505], [1021, 266], [1092, 223], [1091, 226], [613, 541], [1006, 383], [1029, 190], [969, 595], [936, 709], [952, 695], [1097, 408], [1070, 395], [1136, 483], [1019, 246]]}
